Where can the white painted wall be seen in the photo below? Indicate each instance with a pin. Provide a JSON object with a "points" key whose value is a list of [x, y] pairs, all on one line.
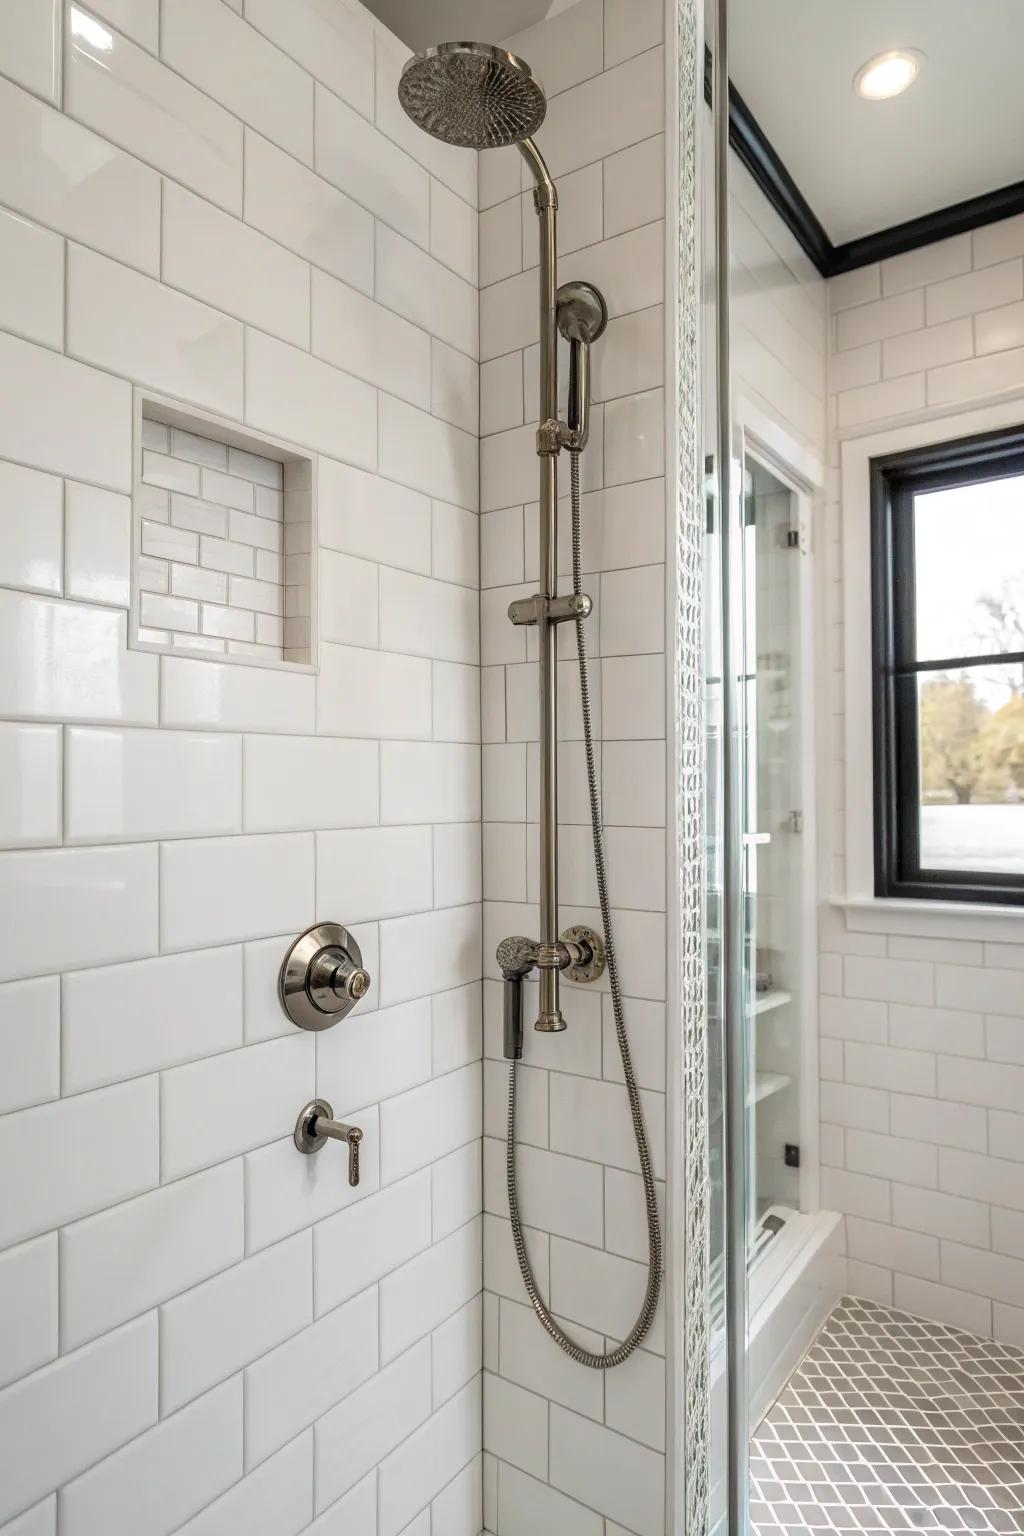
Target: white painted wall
{"points": [[202, 1330], [569, 1450], [922, 1018]]}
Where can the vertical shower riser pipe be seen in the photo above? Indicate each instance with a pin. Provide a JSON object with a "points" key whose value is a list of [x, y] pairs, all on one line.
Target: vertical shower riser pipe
{"points": [[549, 1017]]}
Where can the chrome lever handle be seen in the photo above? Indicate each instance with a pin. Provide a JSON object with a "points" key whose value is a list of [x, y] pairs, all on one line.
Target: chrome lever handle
{"points": [[316, 1125]]}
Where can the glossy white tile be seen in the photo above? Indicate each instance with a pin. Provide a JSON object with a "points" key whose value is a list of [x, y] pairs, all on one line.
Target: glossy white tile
{"points": [[221, 1326], [207, 695], [214, 257], [412, 283], [165, 1475], [371, 169], [393, 1404], [126, 1020], [305, 213], [129, 97], [74, 1412], [429, 782], [123, 1261], [97, 545], [38, 387], [264, 1082], [81, 906], [55, 1189], [376, 519], [31, 529], [455, 387], [31, 55], [427, 454], [76, 182], [373, 693], [219, 890], [453, 232], [298, 396], [423, 617], [31, 279], [136, 327], [28, 1294], [235, 65], [456, 701], [634, 186], [334, 42], [348, 600], [428, 1461], [125, 786], [30, 1042], [303, 1378], [277, 1497], [30, 785], [313, 782], [382, 1054], [370, 340], [374, 872]]}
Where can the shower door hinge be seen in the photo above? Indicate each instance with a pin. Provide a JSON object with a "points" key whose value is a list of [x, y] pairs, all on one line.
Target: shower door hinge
{"points": [[555, 610]]}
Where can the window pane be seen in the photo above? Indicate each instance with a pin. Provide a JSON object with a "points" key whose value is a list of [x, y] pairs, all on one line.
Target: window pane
{"points": [[972, 769], [969, 558]]}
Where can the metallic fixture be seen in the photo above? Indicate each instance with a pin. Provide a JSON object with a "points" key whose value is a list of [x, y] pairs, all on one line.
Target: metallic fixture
{"points": [[472, 95], [316, 1126], [582, 316], [322, 977], [477, 96], [731, 908]]}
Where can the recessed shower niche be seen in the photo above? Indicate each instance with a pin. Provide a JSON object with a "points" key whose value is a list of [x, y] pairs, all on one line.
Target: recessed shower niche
{"points": [[223, 546]]}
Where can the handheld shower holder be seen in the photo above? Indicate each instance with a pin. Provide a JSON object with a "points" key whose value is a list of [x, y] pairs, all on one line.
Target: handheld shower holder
{"points": [[579, 955]]}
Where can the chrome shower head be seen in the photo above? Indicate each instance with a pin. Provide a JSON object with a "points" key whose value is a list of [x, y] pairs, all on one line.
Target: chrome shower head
{"points": [[472, 95]]}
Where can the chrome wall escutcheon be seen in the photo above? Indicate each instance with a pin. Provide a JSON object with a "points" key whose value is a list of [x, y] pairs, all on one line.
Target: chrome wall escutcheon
{"points": [[586, 954], [322, 977], [316, 1126]]}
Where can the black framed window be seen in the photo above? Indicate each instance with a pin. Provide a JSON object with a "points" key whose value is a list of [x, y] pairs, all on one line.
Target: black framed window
{"points": [[947, 550]]}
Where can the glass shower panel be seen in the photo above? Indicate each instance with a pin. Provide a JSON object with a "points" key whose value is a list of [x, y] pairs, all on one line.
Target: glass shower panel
{"points": [[772, 853]]}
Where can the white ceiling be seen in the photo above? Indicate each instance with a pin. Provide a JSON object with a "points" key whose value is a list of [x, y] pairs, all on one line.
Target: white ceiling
{"points": [[422, 22], [862, 166]]}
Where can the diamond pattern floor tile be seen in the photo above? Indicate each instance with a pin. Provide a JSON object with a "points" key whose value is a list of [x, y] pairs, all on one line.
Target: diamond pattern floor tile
{"points": [[892, 1423]]}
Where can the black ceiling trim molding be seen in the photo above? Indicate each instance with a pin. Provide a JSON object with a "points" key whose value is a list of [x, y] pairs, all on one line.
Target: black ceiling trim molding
{"points": [[757, 153]]}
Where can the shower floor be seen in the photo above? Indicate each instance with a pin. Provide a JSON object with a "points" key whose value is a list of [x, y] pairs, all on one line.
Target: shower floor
{"points": [[892, 1423]]}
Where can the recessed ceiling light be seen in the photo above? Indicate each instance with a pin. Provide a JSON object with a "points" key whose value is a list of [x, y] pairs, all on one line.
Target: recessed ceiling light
{"points": [[890, 74]]}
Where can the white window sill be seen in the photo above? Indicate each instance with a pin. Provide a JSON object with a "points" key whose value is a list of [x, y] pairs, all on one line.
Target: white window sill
{"points": [[933, 919]]}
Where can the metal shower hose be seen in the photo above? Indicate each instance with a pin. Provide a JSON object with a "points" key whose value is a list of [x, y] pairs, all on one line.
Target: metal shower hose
{"points": [[646, 1315]]}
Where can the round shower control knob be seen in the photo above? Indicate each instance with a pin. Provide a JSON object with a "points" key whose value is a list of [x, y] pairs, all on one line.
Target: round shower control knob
{"points": [[322, 978]]}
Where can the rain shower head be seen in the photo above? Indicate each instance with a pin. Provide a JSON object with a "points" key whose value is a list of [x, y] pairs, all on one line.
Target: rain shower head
{"points": [[472, 95]]}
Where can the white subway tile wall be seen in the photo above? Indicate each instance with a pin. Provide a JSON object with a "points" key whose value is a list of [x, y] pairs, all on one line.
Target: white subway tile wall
{"points": [[562, 1452], [922, 1042], [190, 1307]]}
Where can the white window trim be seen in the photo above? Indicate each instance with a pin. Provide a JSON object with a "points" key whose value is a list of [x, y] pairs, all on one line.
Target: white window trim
{"points": [[864, 910]]}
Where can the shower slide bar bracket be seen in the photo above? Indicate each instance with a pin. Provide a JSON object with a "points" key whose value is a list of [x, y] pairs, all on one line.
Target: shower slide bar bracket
{"points": [[579, 954], [540, 609]]}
